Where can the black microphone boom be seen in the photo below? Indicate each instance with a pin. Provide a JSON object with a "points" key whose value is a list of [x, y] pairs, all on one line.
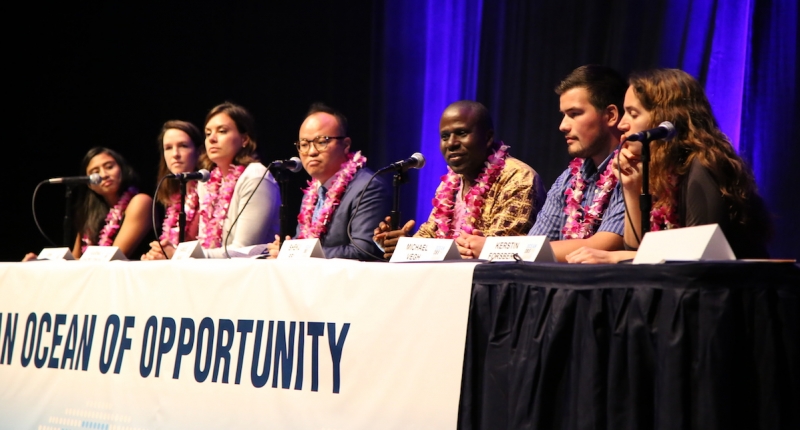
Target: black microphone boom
{"points": [[201, 175], [415, 161], [93, 179], [293, 165], [664, 131]]}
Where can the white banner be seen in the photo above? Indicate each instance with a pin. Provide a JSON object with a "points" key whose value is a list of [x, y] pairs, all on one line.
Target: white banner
{"points": [[182, 344]]}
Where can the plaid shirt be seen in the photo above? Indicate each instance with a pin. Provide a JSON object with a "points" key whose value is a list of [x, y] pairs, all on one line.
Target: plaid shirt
{"points": [[552, 217], [510, 206]]}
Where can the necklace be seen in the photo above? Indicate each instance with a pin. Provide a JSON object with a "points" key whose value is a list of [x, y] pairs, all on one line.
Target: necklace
{"points": [[582, 220], [310, 228], [663, 216], [113, 221], [444, 201], [169, 230], [215, 204]]}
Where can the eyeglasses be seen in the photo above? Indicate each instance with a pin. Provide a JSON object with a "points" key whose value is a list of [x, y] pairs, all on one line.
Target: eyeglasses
{"points": [[320, 143]]}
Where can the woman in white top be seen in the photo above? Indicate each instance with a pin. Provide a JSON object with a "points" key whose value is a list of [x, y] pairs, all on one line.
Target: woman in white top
{"points": [[240, 186]]}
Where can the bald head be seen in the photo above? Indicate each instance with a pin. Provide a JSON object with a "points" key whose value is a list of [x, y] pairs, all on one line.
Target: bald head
{"points": [[477, 110]]}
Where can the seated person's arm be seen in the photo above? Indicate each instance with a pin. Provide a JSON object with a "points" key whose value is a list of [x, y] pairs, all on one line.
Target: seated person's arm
{"points": [[387, 238], [375, 203], [135, 226]]}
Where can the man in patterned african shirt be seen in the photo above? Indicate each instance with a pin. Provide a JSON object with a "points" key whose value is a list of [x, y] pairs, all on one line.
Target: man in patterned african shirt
{"points": [[507, 201]]}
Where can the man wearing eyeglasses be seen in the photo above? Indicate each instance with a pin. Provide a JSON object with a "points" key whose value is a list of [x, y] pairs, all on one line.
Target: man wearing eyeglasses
{"points": [[338, 178]]}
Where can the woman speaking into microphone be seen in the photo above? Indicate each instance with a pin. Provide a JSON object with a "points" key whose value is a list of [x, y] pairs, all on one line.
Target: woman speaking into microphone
{"points": [[113, 212], [695, 179], [181, 145]]}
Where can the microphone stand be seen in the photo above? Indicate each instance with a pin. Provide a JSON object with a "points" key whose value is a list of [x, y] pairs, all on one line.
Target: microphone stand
{"points": [[282, 178], [182, 214], [645, 199], [67, 236], [400, 177]]}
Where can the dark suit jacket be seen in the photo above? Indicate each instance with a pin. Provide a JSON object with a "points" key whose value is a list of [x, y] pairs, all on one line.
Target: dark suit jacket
{"points": [[375, 206]]}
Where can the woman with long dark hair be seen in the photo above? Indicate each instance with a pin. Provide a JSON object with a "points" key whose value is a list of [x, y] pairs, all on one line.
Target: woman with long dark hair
{"points": [[112, 213], [695, 179], [181, 145]]}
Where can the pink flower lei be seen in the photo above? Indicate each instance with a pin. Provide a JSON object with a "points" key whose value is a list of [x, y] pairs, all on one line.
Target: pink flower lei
{"points": [[663, 216], [215, 204], [444, 201], [310, 228], [581, 220], [113, 221], [169, 229]]}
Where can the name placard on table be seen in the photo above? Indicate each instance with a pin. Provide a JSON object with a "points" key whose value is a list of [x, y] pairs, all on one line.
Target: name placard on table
{"points": [[702, 242], [424, 249], [513, 248], [301, 248], [187, 250], [55, 254], [103, 253]]}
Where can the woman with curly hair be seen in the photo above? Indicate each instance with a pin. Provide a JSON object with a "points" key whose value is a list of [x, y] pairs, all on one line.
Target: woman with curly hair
{"points": [[695, 179]]}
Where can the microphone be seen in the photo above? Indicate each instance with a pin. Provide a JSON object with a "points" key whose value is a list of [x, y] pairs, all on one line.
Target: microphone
{"points": [[93, 179], [664, 131], [293, 165], [201, 175], [416, 161]]}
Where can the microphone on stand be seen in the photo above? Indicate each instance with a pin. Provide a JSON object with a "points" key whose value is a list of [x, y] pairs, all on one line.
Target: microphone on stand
{"points": [[664, 131], [293, 165], [93, 179], [201, 175], [279, 169], [415, 161]]}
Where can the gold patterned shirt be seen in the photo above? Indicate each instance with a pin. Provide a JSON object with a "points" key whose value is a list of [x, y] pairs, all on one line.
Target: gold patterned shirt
{"points": [[510, 206]]}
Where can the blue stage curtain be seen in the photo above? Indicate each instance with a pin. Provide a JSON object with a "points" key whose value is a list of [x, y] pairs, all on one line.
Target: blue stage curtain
{"points": [[510, 54]]}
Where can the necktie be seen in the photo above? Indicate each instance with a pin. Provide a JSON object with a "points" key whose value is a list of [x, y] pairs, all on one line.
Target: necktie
{"points": [[320, 201]]}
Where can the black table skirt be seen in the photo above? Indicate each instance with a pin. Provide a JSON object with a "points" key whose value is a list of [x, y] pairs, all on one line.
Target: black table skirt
{"points": [[674, 346]]}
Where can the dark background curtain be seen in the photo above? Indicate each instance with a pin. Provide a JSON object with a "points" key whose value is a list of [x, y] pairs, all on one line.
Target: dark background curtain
{"points": [[745, 54], [79, 76]]}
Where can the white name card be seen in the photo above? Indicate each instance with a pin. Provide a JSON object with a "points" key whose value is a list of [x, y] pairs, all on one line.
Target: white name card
{"points": [[103, 253], [301, 248], [187, 250], [424, 249], [526, 248], [704, 242], [55, 254]]}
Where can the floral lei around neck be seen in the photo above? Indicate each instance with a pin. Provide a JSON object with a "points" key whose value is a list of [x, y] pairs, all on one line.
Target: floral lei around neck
{"points": [[215, 204], [170, 230], [310, 228], [113, 221], [663, 216], [582, 220], [444, 201]]}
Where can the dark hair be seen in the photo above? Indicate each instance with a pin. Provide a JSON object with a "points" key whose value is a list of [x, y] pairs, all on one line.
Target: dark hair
{"points": [[318, 107], [244, 124], [484, 119], [170, 188], [92, 208], [605, 86], [674, 95]]}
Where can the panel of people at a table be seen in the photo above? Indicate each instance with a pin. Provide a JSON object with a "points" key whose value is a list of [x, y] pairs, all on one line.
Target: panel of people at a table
{"points": [[591, 213]]}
